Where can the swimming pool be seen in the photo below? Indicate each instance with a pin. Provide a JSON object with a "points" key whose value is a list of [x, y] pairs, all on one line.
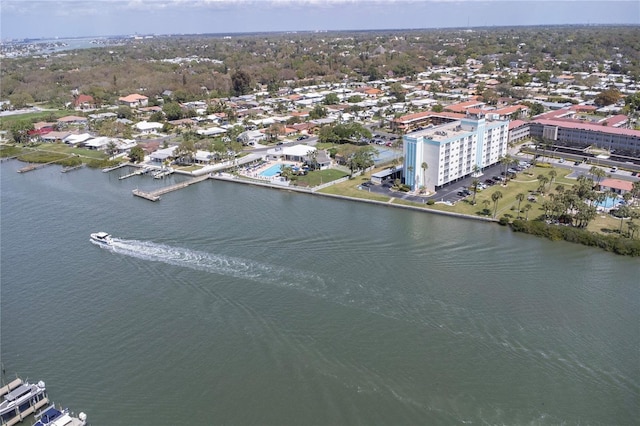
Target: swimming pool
{"points": [[609, 202], [271, 171]]}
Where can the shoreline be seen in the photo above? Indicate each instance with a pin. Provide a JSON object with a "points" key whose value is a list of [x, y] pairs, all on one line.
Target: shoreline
{"points": [[312, 191]]}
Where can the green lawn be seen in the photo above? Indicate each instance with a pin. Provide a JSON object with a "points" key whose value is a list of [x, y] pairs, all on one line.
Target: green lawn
{"points": [[10, 150], [349, 188], [7, 121], [64, 149], [319, 177]]}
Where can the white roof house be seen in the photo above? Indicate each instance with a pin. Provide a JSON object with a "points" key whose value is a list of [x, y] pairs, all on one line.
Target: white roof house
{"points": [[162, 154], [148, 126], [291, 153], [77, 139], [211, 131], [99, 143]]}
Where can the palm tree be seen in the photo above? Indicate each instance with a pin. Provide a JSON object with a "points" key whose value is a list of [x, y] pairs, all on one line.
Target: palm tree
{"points": [[527, 207], [474, 187], [633, 227], [519, 197], [635, 189], [486, 203], [552, 177], [543, 182], [623, 211], [424, 167], [597, 173], [505, 162], [495, 197]]}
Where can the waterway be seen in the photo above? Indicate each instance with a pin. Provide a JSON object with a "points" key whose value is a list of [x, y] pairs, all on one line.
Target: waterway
{"points": [[230, 304]]}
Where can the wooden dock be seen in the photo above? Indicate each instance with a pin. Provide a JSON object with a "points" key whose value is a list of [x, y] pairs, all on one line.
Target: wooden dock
{"points": [[155, 195], [31, 167], [136, 173], [71, 168], [110, 169]]}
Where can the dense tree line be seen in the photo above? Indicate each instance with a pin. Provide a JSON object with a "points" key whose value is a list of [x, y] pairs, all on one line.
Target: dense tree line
{"points": [[216, 67]]}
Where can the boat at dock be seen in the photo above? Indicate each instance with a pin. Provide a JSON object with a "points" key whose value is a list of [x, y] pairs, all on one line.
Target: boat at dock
{"points": [[163, 173], [22, 401], [51, 416], [102, 238]]}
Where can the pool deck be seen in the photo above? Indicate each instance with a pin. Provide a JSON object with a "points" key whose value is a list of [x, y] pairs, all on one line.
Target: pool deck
{"points": [[256, 173]]}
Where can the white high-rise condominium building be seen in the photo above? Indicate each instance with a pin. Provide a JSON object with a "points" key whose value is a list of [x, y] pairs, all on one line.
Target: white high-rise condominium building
{"points": [[438, 155]]}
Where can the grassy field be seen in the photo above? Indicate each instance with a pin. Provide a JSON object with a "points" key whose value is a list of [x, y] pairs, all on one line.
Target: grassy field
{"points": [[65, 149], [349, 188], [319, 177], [524, 183], [8, 120]]}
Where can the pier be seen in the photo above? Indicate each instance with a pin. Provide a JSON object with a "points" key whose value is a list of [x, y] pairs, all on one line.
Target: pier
{"points": [[71, 168], [31, 167], [110, 169], [136, 173], [155, 195]]}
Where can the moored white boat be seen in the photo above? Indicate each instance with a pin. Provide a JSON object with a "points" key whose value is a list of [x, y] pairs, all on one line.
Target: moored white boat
{"points": [[102, 238], [52, 416], [22, 400]]}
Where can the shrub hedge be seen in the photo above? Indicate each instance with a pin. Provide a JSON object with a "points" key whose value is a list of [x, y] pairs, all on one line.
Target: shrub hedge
{"points": [[612, 243]]}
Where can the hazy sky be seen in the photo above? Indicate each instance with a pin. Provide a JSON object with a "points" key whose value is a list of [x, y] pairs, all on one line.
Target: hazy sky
{"points": [[67, 18]]}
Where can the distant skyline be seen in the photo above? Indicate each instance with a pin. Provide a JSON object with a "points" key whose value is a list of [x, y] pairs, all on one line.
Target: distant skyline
{"points": [[76, 18]]}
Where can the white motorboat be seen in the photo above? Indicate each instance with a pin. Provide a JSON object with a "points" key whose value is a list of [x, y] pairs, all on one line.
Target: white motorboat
{"points": [[52, 416], [102, 238], [21, 400]]}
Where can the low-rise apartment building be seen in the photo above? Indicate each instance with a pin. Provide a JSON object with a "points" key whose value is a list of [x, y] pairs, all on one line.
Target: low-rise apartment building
{"points": [[452, 151], [576, 134]]}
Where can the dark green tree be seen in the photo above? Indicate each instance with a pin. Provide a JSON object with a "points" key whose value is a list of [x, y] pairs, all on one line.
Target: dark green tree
{"points": [[331, 99], [136, 154], [241, 83], [173, 111]]}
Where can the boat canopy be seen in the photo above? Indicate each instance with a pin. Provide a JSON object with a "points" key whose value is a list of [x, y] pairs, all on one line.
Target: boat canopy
{"points": [[17, 392]]}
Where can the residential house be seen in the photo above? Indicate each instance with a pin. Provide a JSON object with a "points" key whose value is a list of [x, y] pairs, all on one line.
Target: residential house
{"points": [[134, 100], [72, 120], [83, 102], [148, 127], [618, 186]]}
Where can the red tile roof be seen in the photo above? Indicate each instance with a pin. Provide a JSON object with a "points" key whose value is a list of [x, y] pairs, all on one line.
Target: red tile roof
{"points": [[572, 124], [624, 185], [418, 115], [133, 98]]}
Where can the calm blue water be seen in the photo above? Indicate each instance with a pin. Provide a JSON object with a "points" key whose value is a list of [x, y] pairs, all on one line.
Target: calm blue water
{"points": [[231, 304], [609, 202], [271, 171]]}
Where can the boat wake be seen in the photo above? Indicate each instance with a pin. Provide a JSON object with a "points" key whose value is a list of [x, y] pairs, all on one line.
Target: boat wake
{"points": [[217, 264]]}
